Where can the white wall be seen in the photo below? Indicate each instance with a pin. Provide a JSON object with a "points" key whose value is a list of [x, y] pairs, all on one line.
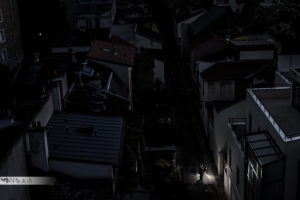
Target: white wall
{"points": [[285, 62], [237, 154], [260, 121], [45, 113], [38, 146], [221, 132], [15, 165], [81, 169]]}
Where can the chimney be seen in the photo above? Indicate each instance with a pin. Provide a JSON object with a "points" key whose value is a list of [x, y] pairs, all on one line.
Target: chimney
{"points": [[56, 95]]}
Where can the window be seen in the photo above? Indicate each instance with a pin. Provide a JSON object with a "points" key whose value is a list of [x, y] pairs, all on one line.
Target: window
{"points": [[4, 54], [2, 36], [1, 16]]}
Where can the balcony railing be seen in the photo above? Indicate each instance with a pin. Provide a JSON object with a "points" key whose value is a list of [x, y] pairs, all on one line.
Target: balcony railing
{"points": [[237, 126]]}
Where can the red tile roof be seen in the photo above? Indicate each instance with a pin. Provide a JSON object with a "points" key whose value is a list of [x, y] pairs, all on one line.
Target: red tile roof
{"points": [[112, 52]]}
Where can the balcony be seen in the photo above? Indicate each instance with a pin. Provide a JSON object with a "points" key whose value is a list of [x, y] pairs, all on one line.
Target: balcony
{"points": [[237, 126]]}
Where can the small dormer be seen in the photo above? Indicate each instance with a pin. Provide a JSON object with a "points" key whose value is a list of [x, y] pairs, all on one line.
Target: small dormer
{"points": [[296, 88]]}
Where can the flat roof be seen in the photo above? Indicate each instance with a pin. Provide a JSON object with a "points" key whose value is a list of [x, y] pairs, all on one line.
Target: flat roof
{"points": [[276, 104], [86, 138]]}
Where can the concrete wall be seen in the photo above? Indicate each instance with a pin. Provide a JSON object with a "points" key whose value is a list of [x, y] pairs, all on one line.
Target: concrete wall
{"points": [[38, 148], [260, 121], [82, 170], [254, 55], [213, 91], [15, 165], [285, 62], [237, 155], [45, 113], [221, 135], [145, 42]]}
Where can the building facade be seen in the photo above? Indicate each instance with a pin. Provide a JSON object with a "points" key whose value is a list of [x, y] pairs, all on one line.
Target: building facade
{"points": [[11, 52]]}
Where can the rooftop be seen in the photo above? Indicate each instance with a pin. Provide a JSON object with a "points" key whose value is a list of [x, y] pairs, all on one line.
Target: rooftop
{"points": [[234, 70], [277, 107], [253, 40], [86, 138], [206, 19], [112, 52]]}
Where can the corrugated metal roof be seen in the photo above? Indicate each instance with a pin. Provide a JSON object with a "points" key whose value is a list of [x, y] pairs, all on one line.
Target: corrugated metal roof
{"points": [[264, 148], [83, 137]]}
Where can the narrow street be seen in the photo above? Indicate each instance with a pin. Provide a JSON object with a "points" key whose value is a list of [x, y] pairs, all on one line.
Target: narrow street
{"points": [[193, 147]]}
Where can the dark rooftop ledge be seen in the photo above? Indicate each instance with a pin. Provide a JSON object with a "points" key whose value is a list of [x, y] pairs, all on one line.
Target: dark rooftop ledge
{"points": [[276, 106]]}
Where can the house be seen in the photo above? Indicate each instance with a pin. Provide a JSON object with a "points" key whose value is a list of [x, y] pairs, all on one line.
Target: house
{"points": [[182, 28], [204, 47], [257, 47], [79, 145], [13, 161], [138, 35], [194, 27], [11, 53], [85, 15], [227, 81], [277, 111], [222, 93], [119, 58], [97, 89], [237, 6], [266, 139]]}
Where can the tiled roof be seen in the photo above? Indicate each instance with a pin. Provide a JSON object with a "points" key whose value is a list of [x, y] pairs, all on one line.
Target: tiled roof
{"points": [[82, 137], [112, 52]]}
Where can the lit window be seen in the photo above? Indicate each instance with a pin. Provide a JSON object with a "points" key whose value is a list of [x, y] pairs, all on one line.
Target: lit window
{"points": [[4, 54], [1, 16], [2, 36]]}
